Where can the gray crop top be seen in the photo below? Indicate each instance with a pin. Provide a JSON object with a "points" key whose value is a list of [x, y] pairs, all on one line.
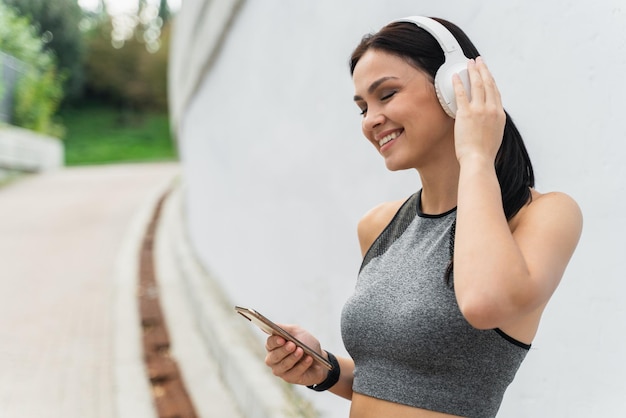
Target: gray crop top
{"points": [[404, 330]]}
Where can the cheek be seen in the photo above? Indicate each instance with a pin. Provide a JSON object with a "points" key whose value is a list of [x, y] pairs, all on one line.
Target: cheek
{"points": [[368, 135], [364, 130]]}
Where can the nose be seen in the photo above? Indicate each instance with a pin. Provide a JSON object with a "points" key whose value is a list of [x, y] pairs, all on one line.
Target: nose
{"points": [[372, 119]]}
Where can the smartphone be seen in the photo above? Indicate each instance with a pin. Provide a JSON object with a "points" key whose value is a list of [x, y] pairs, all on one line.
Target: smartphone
{"points": [[271, 328]]}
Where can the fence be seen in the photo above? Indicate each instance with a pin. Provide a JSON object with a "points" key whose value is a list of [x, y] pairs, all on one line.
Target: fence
{"points": [[10, 70], [21, 150]]}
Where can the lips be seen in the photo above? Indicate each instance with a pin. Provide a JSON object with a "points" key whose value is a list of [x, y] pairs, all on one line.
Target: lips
{"points": [[389, 137]]}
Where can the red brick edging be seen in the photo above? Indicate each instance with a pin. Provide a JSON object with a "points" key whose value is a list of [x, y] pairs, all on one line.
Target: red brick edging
{"points": [[168, 389]]}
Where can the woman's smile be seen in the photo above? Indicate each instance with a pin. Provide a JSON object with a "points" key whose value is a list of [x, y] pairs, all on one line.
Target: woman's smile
{"points": [[387, 137]]}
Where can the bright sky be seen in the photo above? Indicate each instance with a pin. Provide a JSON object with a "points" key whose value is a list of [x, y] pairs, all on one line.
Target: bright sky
{"points": [[121, 6]]}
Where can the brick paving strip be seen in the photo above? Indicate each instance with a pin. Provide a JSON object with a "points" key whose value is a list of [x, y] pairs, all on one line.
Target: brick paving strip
{"points": [[168, 389]]}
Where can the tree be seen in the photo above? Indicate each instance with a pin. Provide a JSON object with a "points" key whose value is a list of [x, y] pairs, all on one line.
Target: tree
{"points": [[58, 24], [39, 91], [130, 75], [126, 60], [164, 11]]}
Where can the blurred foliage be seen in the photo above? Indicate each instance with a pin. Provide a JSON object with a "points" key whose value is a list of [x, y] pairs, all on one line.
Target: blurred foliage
{"points": [[100, 134], [39, 96], [164, 11], [19, 38], [2, 88], [128, 72], [57, 24], [91, 57], [123, 115], [39, 92]]}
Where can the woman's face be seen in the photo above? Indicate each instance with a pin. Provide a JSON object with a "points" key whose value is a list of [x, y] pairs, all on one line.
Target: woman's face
{"points": [[402, 116]]}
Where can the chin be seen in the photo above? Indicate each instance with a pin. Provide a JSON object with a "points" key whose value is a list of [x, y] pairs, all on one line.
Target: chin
{"points": [[396, 167]]}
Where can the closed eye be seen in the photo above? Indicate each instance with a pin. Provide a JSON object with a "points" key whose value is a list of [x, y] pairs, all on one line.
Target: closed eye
{"points": [[389, 95], [362, 105], [385, 97]]}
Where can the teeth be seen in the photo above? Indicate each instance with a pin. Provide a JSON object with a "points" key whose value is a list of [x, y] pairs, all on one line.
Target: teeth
{"points": [[388, 138]]}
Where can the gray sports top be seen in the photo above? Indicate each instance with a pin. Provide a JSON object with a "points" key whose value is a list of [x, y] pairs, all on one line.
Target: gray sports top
{"points": [[403, 328]]}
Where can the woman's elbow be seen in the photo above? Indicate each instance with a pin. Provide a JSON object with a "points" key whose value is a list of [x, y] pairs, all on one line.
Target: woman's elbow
{"points": [[491, 309], [479, 315]]}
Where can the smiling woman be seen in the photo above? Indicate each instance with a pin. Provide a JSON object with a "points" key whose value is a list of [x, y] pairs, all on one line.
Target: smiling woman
{"points": [[458, 273], [276, 79]]}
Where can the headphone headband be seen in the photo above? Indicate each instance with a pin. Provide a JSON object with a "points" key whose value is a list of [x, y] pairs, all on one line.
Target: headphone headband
{"points": [[448, 42]]}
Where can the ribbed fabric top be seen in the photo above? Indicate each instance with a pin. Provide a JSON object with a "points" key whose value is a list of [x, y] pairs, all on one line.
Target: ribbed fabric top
{"points": [[406, 334]]}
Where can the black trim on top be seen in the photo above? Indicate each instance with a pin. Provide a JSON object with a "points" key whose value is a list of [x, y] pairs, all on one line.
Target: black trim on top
{"points": [[426, 215], [512, 340]]}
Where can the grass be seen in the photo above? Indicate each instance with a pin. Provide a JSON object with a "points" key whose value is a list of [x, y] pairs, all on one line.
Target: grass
{"points": [[97, 134]]}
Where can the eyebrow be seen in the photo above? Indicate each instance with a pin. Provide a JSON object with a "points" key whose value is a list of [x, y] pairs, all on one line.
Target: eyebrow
{"points": [[375, 85]]}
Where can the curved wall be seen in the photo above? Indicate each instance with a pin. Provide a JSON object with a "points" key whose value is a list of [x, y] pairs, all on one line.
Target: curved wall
{"points": [[277, 173]]}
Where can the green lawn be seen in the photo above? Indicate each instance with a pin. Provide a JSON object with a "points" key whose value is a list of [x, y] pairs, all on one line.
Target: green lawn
{"points": [[99, 135]]}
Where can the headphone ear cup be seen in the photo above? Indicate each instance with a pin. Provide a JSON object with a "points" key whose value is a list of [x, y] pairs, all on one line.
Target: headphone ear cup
{"points": [[444, 87]]}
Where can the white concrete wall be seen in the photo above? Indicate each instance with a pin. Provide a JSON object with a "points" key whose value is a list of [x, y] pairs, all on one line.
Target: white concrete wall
{"points": [[277, 173], [22, 150]]}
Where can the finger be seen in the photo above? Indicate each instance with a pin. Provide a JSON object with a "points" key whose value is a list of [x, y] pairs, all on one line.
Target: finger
{"points": [[284, 368], [297, 371], [476, 82], [492, 93], [462, 100], [273, 342], [278, 355]]}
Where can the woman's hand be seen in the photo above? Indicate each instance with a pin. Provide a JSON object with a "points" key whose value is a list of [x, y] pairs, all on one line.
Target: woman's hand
{"points": [[479, 124], [289, 362]]}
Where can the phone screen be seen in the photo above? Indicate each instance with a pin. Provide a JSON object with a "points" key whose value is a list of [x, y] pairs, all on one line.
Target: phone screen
{"points": [[271, 328]]}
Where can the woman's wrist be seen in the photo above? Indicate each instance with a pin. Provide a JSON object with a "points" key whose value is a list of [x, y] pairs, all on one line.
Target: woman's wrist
{"points": [[332, 377], [476, 159]]}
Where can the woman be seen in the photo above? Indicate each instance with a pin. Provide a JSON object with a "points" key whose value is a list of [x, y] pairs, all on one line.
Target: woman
{"points": [[454, 279]]}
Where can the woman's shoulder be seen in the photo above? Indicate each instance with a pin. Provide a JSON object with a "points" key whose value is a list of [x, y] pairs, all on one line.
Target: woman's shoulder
{"points": [[556, 208], [374, 222], [553, 201]]}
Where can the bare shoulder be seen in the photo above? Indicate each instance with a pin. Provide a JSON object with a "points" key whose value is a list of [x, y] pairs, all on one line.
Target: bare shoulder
{"points": [[556, 204], [374, 222], [553, 213]]}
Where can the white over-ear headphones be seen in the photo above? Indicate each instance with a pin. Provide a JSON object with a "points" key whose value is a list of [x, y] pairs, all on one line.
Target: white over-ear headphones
{"points": [[455, 61]]}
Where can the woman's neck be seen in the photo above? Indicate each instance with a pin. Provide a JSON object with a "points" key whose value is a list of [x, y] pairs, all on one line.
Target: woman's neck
{"points": [[439, 190]]}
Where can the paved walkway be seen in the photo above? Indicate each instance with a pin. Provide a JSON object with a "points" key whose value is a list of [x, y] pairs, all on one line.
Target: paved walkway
{"points": [[61, 234]]}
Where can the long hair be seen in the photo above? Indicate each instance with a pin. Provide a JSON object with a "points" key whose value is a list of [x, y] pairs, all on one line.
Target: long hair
{"points": [[421, 50]]}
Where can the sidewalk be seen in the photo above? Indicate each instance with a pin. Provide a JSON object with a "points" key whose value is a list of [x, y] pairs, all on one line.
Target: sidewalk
{"points": [[70, 333], [66, 241]]}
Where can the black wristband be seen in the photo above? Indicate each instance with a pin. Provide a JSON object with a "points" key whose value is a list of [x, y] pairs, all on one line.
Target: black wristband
{"points": [[331, 378]]}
